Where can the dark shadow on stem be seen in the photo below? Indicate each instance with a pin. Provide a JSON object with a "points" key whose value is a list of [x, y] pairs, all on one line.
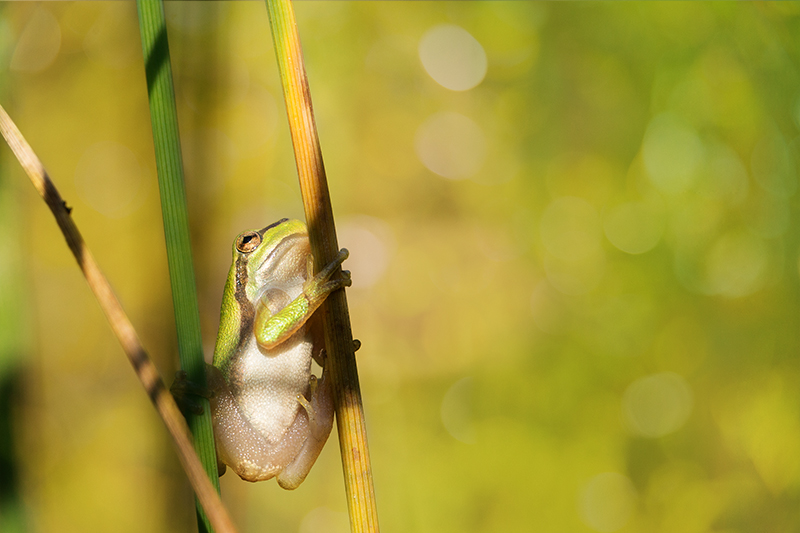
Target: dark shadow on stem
{"points": [[156, 58]]}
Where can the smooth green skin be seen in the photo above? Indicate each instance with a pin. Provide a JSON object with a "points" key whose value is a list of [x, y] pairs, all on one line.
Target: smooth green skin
{"points": [[270, 330]]}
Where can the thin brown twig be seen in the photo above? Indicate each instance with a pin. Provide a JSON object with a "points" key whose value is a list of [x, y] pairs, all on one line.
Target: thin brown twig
{"points": [[322, 233], [121, 325]]}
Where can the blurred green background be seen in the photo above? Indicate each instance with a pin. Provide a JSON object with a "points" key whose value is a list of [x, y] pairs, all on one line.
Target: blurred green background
{"points": [[573, 242]]}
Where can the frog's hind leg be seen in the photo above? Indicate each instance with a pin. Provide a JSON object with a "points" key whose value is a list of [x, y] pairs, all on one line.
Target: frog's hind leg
{"points": [[320, 421]]}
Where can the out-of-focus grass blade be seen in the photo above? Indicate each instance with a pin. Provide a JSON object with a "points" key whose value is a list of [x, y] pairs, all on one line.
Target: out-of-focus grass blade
{"points": [[15, 334]]}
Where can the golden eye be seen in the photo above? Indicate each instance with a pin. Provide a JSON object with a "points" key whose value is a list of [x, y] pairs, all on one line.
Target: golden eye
{"points": [[248, 241]]}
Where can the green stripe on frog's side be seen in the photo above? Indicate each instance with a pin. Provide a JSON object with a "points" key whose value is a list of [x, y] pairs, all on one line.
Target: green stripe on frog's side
{"points": [[229, 324]]}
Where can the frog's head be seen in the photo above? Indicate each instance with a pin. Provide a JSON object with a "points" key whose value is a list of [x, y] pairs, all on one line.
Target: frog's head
{"points": [[258, 253]]}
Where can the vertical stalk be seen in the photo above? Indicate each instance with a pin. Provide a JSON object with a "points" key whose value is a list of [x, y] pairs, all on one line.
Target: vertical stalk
{"points": [[164, 121], [322, 233]]}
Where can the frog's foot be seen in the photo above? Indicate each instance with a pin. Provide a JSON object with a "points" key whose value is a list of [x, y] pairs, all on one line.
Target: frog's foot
{"points": [[330, 268], [317, 287], [186, 392]]}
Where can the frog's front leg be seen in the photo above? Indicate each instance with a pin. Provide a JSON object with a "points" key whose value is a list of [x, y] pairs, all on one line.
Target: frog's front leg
{"points": [[272, 329], [319, 410]]}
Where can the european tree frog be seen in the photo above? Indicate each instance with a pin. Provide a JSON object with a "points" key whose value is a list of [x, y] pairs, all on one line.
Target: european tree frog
{"points": [[271, 416]]}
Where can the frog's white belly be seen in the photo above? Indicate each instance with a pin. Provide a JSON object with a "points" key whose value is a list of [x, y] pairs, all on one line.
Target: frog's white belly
{"points": [[267, 398], [259, 425]]}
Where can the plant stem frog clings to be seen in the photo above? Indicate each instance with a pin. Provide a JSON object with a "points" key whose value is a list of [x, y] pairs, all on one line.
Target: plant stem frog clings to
{"points": [[271, 416]]}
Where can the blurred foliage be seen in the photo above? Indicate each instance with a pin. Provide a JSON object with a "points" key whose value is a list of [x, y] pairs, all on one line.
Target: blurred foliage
{"points": [[574, 254]]}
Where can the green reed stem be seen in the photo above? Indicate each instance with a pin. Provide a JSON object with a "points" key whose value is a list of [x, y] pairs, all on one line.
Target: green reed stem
{"points": [[164, 121]]}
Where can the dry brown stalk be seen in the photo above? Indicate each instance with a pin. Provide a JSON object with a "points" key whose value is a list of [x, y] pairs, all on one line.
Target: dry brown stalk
{"points": [[121, 325]]}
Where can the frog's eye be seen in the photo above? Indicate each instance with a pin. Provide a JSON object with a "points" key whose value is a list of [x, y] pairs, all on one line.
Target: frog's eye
{"points": [[247, 242]]}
